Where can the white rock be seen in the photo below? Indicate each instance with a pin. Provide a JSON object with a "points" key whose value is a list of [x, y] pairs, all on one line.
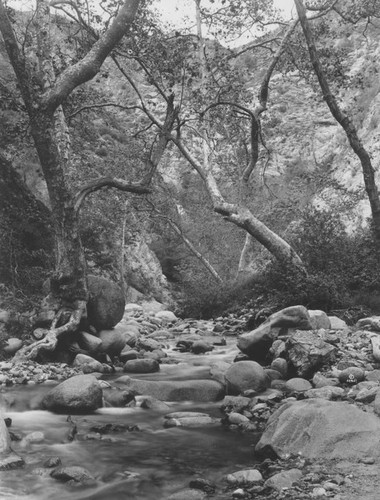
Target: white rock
{"points": [[166, 316], [375, 341], [244, 477], [4, 316], [337, 323], [13, 345], [132, 308]]}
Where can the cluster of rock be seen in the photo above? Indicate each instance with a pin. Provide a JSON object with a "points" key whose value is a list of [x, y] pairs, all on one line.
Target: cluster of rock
{"points": [[303, 381]]}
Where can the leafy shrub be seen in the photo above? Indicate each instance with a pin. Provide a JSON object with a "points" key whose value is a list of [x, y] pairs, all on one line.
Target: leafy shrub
{"points": [[342, 268]]}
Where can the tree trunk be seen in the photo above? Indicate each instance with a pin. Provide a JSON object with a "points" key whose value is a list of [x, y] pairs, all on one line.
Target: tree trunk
{"points": [[242, 217], [43, 96], [344, 120]]}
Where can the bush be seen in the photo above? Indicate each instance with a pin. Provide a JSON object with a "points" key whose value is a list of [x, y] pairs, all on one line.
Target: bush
{"points": [[342, 268]]}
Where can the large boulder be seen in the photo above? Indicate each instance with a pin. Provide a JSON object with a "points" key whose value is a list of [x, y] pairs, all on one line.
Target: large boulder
{"points": [[79, 394], [320, 429], [8, 459], [245, 375], [180, 390], [307, 353], [87, 363], [105, 307], [256, 344]]}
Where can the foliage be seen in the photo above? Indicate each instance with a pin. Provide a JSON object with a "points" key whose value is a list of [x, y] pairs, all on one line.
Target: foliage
{"points": [[342, 267]]}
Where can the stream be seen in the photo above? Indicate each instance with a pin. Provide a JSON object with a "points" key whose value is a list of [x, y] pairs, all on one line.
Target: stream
{"points": [[150, 463]]}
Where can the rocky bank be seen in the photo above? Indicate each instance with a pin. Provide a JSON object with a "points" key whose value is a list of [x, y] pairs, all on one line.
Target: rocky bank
{"points": [[309, 393]]}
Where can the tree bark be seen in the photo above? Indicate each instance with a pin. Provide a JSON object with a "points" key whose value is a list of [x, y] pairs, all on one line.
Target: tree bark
{"points": [[344, 120]]}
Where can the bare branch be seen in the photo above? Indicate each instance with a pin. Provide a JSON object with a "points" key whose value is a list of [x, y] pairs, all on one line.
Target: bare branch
{"points": [[102, 182]]}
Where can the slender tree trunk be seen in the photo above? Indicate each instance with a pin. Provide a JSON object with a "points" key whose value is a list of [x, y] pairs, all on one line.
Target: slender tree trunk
{"points": [[344, 120]]}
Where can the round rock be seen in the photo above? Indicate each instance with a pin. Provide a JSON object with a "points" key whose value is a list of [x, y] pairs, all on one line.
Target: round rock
{"points": [[105, 307], [245, 375], [79, 394]]}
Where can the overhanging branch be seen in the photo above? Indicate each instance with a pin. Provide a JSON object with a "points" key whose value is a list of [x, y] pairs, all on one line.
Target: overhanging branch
{"points": [[102, 182]]}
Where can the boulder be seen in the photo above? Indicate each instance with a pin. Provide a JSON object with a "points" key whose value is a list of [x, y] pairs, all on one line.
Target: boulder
{"points": [[351, 375], [12, 345], [113, 341], [283, 479], [87, 363], [326, 392], [88, 342], [141, 366], [117, 398], [375, 341], [244, 477], [128, 353], [5, 440], [72, 473], [132, 308], [166, 316], [319, 319], [150, 403], [200, 347], [4, 316], [297, 385], [280, 365], [245, 375], [256, 344], [371, 323], [307, 353], [8, 459], [320, 429], [189, 419], [337, 323], [79, 394], [148, 344], [105, 307], [182, 390]]}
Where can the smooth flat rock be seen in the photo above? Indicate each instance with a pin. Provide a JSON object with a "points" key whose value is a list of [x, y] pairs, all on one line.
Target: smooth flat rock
{"points": [[182, 390], [321, 429]]}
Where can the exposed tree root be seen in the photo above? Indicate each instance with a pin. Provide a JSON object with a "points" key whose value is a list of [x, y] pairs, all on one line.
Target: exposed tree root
{"points": [[49, 342]]}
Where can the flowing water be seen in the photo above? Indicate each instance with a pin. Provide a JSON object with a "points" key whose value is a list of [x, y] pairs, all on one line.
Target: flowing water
{"points": [[149, 463]]}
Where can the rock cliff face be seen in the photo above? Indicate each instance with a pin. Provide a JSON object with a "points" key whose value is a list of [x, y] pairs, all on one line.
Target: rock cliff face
{"points": [[310, 155]]}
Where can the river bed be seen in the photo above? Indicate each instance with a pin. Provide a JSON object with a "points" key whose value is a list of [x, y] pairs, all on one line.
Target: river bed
{"points": [[149, 463]]}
